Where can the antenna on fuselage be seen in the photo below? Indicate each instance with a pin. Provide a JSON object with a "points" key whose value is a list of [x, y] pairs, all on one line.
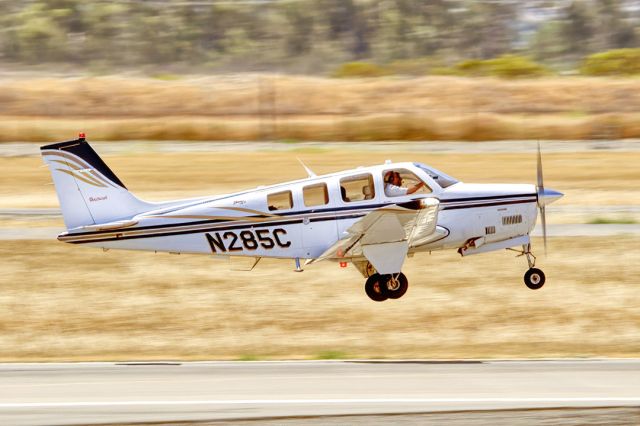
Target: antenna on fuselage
{"points": [[308, 170]]}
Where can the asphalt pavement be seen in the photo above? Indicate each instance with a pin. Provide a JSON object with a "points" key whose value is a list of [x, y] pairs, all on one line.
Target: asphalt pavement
{"points": [[92, 393]]}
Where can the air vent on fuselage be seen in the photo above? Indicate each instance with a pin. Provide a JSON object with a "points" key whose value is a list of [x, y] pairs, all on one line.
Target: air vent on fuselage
{"points": [[512, 220]]}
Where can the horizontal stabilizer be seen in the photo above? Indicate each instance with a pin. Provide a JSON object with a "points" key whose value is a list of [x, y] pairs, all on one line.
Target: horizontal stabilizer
{"points": [[120, 224]]}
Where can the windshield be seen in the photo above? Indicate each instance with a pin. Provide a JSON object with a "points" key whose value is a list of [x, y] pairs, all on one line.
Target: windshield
{"points": [[441, 179]]}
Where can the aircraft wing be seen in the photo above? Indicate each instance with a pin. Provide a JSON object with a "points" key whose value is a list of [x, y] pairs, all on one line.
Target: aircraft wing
{"points": [[385, 235]]}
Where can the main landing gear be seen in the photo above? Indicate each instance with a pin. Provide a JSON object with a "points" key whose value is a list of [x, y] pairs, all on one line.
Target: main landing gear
{"points": [[534, 278], [382, 287]]}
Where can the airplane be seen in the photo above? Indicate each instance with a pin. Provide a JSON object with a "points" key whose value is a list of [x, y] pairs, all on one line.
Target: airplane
{"points": [[372, 217]]}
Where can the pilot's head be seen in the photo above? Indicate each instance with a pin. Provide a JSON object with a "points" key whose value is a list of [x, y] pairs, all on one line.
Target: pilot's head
{"points": [[397, 180], [388, 177], [393, 178]]}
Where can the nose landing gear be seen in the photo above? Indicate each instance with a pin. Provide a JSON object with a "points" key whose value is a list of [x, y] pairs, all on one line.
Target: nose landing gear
{"points": [[382, 287], [534, 278]]}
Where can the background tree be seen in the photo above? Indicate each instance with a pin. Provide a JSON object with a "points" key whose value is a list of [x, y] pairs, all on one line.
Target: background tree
{"points": [[203, 35], [613, 29], [577, 29]]}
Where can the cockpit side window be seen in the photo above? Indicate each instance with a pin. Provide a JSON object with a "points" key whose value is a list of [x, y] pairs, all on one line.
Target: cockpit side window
{"points": [[357, 188], [280, 201], [399, 182], [440, 178]]}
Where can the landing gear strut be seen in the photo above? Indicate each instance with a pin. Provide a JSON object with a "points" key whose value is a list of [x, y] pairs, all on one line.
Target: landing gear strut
{"points": [[382, 287], [534, 278]]}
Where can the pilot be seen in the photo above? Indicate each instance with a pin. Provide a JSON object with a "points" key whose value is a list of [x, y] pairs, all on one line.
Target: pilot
{"points": [[393, 185]]}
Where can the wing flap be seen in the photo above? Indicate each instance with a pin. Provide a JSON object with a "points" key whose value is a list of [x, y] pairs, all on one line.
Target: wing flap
{"points": [[424, 224]]}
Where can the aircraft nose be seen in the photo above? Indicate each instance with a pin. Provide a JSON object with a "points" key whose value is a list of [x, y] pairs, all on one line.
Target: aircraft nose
{"points": [[548, 196]]}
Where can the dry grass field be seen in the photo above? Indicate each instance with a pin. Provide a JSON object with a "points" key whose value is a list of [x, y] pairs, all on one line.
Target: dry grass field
{"points": [[587, 179], [62, 302], [254, 107]]}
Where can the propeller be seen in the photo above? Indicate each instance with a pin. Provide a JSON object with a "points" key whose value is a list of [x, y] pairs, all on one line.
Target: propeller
{"points": [[541, 204], [545, 196]]}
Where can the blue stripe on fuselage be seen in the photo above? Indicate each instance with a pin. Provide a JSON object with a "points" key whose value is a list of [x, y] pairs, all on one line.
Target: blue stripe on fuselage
{"points": [[218, 224]]}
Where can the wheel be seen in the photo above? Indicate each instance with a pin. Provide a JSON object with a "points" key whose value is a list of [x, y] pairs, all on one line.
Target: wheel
{"points": [[534, 278], [374, 289], [395, 285]]}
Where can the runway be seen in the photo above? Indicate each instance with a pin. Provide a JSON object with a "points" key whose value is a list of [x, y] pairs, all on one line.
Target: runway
{"points": [[29, 149], [90, 393]]}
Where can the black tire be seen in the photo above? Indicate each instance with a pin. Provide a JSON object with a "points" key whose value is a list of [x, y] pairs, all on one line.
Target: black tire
{"points": [[374, 289], [534, 278], [397, 293]]}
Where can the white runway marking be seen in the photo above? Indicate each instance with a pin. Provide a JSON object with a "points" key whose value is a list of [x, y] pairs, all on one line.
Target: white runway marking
{"points": [[590, 400]]}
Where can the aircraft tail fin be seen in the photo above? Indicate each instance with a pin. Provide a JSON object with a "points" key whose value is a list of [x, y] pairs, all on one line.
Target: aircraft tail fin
{"points": [[88, 191]]}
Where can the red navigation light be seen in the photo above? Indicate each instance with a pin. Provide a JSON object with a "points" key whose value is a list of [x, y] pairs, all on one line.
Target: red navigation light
{"points": [[81, 135], [343, 264]]}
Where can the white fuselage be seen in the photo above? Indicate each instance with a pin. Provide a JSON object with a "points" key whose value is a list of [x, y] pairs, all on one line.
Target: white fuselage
{"points": [[243, 224]]}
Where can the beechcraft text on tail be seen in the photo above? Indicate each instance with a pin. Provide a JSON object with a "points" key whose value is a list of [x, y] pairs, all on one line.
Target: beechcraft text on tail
{"points": [[372, 217]]}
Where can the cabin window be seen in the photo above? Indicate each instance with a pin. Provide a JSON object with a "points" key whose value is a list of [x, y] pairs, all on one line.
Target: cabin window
{"points": [[357, 188], [399, 182], [315, 195], [280, 201]]}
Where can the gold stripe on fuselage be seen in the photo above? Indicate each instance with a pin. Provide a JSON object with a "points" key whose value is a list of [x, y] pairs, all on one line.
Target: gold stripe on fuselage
{"points": [[182, 227], [205, 217], [245, 210]]}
